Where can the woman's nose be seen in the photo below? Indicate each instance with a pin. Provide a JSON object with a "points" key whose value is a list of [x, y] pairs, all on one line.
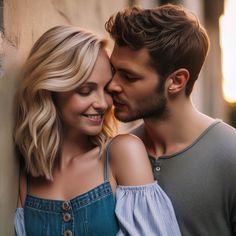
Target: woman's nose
{"points": [[103, 102]]}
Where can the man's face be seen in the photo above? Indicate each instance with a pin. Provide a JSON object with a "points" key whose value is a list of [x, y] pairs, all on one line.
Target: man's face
{"points": [[136, 89]]}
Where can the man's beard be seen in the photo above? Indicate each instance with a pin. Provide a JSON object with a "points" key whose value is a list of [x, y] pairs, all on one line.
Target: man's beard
{"points": [[154, 107], [157, 109]]}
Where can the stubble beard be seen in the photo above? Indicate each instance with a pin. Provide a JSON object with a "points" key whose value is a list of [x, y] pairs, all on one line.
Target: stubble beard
{"points": [[154, 107]]}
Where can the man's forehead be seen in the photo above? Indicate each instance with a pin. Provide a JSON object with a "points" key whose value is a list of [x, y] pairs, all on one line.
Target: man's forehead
{"points": [[127, 51], [125, 55]]}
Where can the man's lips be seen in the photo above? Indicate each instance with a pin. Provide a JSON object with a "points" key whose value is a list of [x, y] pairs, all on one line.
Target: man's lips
{"points": [[118, 102]]}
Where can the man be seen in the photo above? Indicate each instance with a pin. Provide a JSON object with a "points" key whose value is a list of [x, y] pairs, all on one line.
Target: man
{"points": [[157, 57]]}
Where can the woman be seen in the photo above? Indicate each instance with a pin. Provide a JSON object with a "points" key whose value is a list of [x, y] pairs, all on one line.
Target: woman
{"points": [[63, 123]]}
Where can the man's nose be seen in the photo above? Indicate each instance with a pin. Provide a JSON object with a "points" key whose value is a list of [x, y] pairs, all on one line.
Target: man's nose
{"points": [[114, 86]]}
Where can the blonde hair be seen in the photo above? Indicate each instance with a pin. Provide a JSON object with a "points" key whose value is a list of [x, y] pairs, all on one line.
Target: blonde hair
{"points": [[60, 60]]}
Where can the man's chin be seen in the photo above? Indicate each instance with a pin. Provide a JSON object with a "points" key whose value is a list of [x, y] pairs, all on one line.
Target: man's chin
{"points": [[124, 117]]}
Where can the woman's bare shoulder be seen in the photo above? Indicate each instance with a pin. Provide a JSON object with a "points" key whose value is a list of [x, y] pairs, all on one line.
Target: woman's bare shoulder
{"points": [[129, 160]]}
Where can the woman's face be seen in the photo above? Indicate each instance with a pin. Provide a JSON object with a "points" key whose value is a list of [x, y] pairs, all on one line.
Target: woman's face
{"points": [[82, 110]]}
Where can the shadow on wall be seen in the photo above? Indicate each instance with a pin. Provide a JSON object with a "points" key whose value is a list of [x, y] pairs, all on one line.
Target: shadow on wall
{"points": [[233, 115], [1, 54], [8, 165]]}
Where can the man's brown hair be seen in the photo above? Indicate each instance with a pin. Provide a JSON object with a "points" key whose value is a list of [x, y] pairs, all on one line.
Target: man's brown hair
{"points": [[173, 37]]}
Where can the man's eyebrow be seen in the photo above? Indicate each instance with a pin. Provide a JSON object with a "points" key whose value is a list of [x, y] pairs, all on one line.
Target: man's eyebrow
{"points": [[125, 70], [128, 71]]}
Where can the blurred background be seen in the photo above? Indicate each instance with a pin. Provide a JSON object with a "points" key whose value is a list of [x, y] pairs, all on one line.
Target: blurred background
{"points": [[23, 21]]}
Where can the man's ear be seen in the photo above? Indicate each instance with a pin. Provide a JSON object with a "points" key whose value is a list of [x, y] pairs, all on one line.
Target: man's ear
{"points": [[177, 81]]}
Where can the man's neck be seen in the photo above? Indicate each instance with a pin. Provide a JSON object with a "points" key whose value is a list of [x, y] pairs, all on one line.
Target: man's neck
{"points": [[179, 130]]}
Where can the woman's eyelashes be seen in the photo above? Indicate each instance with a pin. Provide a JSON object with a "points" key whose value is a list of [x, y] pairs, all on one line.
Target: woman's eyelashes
{"points": [[84, 91]]}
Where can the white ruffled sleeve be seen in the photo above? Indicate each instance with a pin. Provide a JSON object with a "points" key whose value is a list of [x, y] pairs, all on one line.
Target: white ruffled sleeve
{"points": [[145, 210], [19, 222]]}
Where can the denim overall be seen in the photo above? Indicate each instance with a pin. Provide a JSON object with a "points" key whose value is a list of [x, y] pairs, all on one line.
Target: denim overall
{"points": [[92, 213]]}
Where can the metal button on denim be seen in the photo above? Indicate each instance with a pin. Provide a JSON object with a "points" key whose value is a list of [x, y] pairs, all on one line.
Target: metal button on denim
{"points": [[158, 168], [66, 217], [66, 206], [67, 233]]}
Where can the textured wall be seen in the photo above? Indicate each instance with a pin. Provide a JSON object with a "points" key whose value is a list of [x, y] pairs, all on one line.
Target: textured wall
{"points": [[24, 22], [8, 164]]}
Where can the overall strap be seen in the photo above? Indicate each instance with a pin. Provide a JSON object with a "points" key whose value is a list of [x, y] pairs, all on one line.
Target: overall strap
{"points": [[106, 163]]}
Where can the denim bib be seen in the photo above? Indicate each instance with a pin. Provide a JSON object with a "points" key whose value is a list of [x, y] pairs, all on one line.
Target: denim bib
{"points": [[92, 213]]}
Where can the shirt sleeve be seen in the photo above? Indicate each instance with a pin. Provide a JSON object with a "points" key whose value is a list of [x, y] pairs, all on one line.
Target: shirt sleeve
{"points": [[19, 222], [145, 210]]}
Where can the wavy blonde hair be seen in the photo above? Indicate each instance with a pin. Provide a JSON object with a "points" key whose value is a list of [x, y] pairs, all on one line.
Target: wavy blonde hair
{"points": [[60, 60]]}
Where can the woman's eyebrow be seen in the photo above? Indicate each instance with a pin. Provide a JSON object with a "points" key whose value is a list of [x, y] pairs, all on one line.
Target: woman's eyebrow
{"points": [[88, 84]]}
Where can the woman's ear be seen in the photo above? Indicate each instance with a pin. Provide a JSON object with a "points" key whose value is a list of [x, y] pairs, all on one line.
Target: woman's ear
{"points": [[177, 81]]}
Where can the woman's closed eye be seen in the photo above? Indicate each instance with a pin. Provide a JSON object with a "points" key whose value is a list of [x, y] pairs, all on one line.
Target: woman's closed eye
{"points": [[84, 91]]}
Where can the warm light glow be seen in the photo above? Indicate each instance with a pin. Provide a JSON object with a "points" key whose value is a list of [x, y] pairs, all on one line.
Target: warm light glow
{"points": [[228, 46]]}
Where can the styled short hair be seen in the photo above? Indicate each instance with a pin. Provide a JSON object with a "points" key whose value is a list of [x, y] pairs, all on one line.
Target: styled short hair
{"points": [[173, 37], [60, 60]]}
